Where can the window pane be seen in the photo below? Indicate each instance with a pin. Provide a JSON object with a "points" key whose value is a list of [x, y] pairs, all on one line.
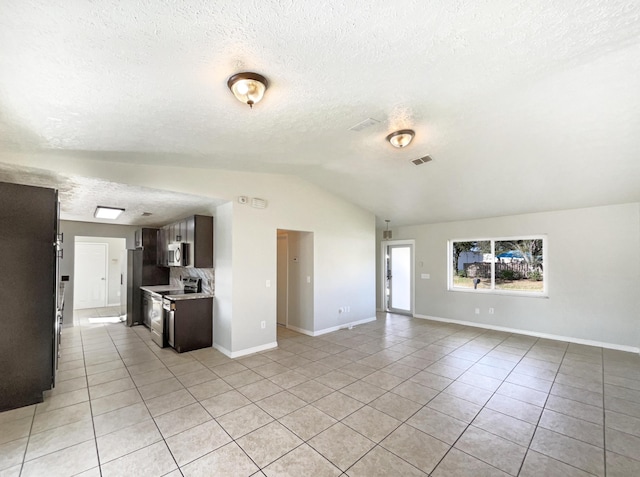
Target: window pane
{"points": [[472, 264], [519, 265], [400, 298]]}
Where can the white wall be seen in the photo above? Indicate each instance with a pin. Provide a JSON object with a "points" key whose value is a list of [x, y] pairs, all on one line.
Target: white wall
{"points": [[223, 301], [344, 256], [593, 273], [344, 242], [115, 247]]}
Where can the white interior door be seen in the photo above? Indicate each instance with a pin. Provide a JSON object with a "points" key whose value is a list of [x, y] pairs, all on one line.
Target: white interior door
{"points": [[90, 275], [400, 278], [283, 279]]}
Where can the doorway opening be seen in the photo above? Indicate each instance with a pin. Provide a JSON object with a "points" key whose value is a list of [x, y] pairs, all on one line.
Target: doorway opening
{"points": [[398, 292], [294, 281], [97, 288]]}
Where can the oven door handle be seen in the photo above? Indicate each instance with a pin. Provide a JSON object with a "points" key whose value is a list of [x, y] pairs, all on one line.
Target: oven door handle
{"points": [[171, 326]]}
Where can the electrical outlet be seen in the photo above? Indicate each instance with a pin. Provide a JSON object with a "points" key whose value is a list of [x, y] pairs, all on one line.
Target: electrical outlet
{"points": [[268, 284], [263, 324], [491, 310], [477, 311]]}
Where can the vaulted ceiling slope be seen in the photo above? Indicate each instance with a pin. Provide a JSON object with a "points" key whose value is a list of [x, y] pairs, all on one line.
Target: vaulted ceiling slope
{"points": [[524, 106]]}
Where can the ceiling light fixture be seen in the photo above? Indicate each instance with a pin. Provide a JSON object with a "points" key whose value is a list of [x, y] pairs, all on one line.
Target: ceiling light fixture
{"points": [[401, 138], [387, 234], [248, 87], [111, 213]]}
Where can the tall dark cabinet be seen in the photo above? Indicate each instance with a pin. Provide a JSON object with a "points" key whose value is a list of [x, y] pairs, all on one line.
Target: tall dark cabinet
{"points": [[143, 269], [28, 232]]}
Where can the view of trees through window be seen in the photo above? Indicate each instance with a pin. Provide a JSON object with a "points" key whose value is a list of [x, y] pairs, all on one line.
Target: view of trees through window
{"points": [[500, 264]]}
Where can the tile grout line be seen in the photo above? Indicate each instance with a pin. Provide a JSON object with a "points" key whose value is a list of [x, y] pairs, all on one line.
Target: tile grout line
{"points": [[233, 440], [405, 336], [604, 417], [311, 404], [93, 425], [378, 444], [483, 406], [544, 406], [53, 410], [434, 397], [103, 326], [24, 453], [143, 401], [221, 427], [33, 418]]}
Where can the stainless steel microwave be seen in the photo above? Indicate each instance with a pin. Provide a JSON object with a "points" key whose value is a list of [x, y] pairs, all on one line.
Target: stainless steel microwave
{"points": [[178, 254]]}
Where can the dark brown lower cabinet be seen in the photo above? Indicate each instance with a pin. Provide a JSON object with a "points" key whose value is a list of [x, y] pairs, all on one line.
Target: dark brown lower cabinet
{"points": [[193, 324]]}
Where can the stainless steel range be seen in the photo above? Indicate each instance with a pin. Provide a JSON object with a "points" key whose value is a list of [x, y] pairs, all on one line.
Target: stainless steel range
{"points": [[162, 320]]}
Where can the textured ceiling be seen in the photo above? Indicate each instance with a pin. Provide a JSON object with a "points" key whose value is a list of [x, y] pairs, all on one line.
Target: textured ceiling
{"points": [[524, 106], [79, 197]]}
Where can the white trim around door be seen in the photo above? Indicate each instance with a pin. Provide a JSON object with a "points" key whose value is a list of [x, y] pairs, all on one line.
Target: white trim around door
{"points": [[384, 250]]}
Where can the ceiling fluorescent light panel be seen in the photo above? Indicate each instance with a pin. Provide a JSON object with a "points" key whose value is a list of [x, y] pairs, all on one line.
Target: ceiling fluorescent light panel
{"points": [[110, 213]]}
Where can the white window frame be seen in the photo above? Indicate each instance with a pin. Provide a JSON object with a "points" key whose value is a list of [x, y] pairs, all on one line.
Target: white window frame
{"points": [[493, 291]]}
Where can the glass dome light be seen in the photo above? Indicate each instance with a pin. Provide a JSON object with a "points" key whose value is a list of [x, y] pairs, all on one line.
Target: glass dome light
{"points": [[248, 87], [401, 138]]}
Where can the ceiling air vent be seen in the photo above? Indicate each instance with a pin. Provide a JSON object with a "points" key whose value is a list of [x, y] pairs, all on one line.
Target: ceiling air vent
{"points": [[422, 160], [364, 124]]}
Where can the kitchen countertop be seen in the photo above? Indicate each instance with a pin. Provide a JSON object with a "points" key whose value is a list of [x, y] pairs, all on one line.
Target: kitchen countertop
{"points": [[178, 295]]}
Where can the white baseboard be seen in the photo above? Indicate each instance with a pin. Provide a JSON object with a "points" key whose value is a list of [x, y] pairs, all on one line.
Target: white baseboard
{"points": [[222, 349], [333, 328], [300, 330], [244, 352], [630, 349]]}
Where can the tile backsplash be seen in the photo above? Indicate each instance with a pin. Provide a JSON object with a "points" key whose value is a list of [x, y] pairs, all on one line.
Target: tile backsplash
{"points": [[206, 274]]}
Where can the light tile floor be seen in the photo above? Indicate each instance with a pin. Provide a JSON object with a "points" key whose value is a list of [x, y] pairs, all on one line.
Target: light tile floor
{"points": [[395, 397]]}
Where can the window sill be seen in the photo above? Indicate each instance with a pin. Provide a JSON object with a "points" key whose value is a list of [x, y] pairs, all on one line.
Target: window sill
{"points": [[500, 292]]}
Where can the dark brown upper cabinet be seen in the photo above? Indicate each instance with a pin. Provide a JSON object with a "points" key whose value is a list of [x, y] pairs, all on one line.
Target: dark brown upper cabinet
{"points": [[199, 236], [197, 232], [148, 239]]}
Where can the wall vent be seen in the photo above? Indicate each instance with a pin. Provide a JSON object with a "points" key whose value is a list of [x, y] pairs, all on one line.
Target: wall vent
{"points": [[258, 203], [422, 160]]}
